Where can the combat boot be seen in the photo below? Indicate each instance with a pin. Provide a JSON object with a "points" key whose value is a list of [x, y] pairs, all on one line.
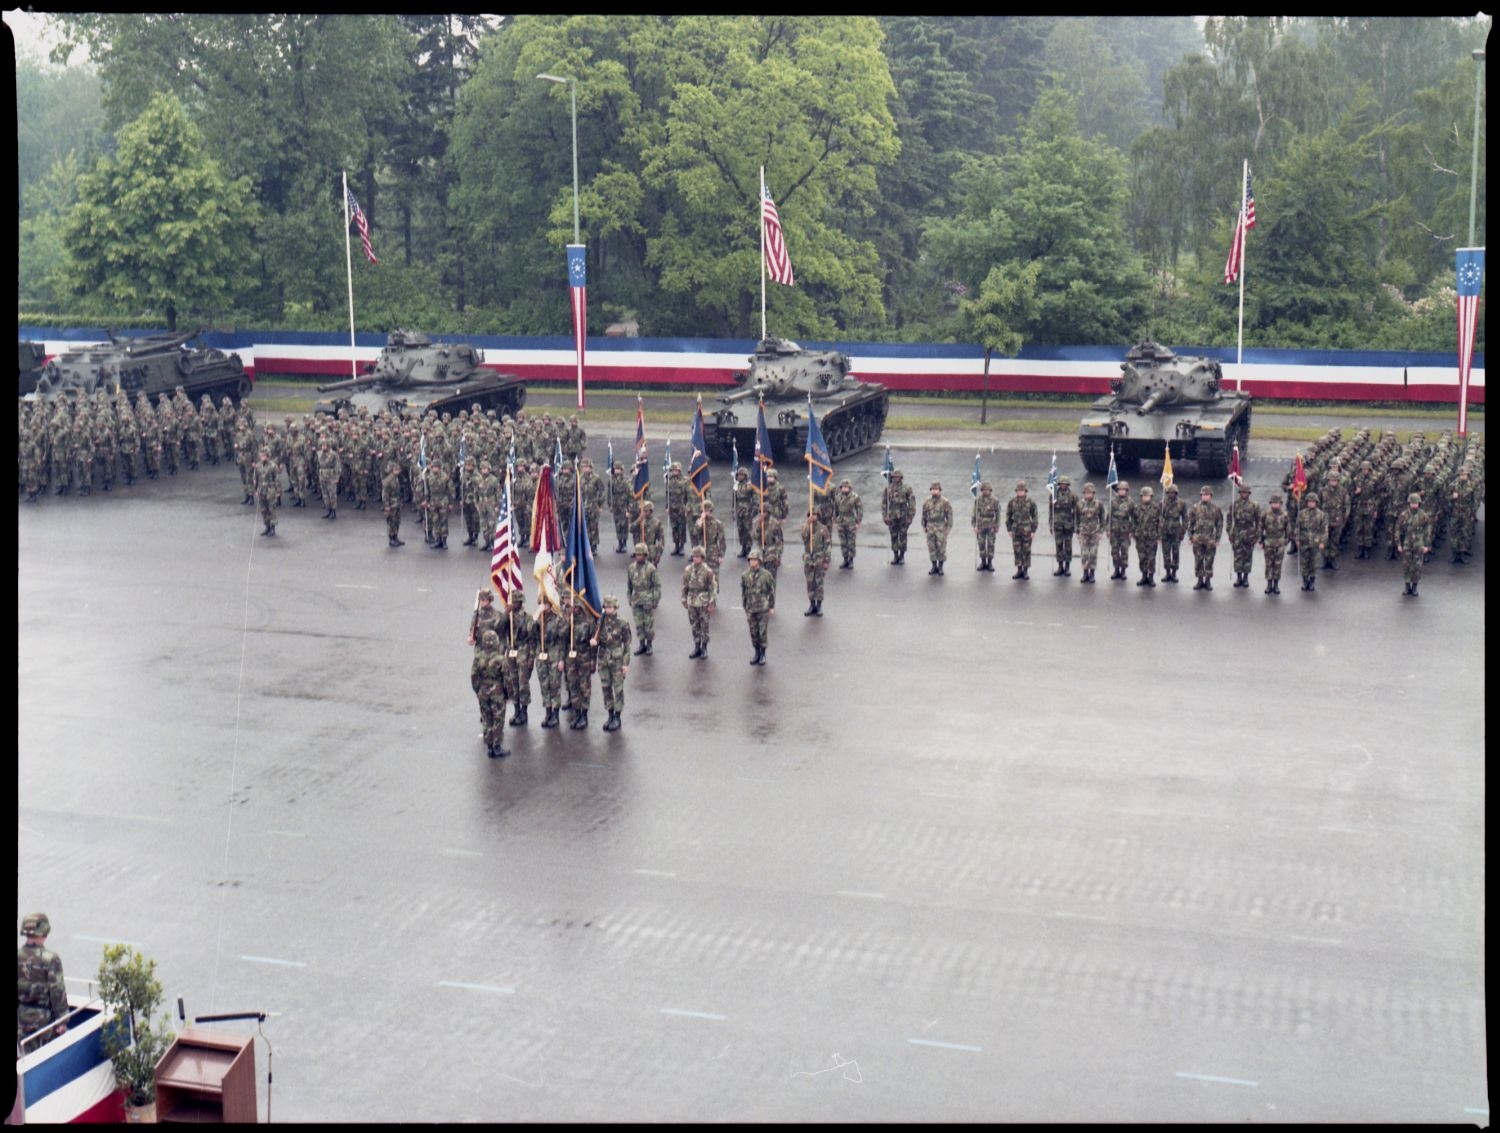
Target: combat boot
{"points": [[760, 656], [941, 563], [744, 551], [1019, 574], [550, 720], [1088, 576], [1143, 581], [613, 723], [1270, 588], [498, 753], [1198, 585], [620, 550], [697, 651], [1312, 584], [1276, 587], [677, 550], [812, 608], [518, 718], [1208, 584], [1059, 572], [272, 530], [1151, 581], [267, 530], [648, 649], [818, 608], [333, 513], [580, 720], [934, 569], [249, 499], [640, 650], [703, 655]]}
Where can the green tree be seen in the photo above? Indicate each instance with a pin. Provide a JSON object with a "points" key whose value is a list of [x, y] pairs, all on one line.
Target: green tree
{"points": [[159, 225], [57, 113], [1057, 200]]}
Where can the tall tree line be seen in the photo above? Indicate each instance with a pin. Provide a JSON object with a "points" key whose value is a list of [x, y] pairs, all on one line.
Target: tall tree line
{"points": [[1001, 179]]}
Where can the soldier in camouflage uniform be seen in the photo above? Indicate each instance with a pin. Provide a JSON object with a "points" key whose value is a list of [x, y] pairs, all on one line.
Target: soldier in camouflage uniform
{"points": [[815, 545], [1021, 522], [487, 675], [1312, 538], [1062, 517], [1147, 536], [898, 507], [619, 506], [1244, 531], [1464, 504], [710, 533], [746, 505], [439, 502], [1336, 507], [700, 591], [612, 640], [468, 489], [390, 501], [758, 598], [1366, 508], [778, 504], [552, 637], [484, 617], [651, 532], [848, 514], [1275, 531], [1090, 527], [518, 641], [41, 995], [591, 491], [328, 476], [986, 522], [677, 497], [937, 521], [1121, 528], [1413, 542], [487, 490], [1173, 527], [1205, 528], [643, 591], [771, 551], [581, 661], [267, 491]]}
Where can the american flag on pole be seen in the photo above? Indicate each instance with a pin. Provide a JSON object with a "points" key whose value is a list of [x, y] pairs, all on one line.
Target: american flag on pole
{"points": [[578, 293], [778, 264], [546, 540], [1470, 275], [357, 214], [1242, 224], [505, 561]]}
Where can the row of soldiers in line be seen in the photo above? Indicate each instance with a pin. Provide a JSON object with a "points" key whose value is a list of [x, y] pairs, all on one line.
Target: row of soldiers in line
{"points": [[80, 443]]}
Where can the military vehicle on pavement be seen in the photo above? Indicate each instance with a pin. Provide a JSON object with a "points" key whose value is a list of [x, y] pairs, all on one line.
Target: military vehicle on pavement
{"points": [[414, 374], [154, 364]]}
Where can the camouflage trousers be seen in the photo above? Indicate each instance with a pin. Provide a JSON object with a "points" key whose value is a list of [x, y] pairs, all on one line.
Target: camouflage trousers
{"points": [[328, 485], [1275, 552], [438, 523], [1020, 545], [698, 620], [296, 479], [759, 625], [937, 546], [1088, 549], [471, 521], [1464, 523], [898, 540], [83, 471], [211, 447], [986, 538], [267, 503], [492, 713], [772, 566], [1203, 559], [846, 540], [518, 676], [1119, 550], [1411, 564], [645, 623], [30, 1019], [130, 460], [1331, 551], [679, 527], [549, 679], [745, 528], [1364, 528], [1243, 550], [1307, 560], [579, 673], [1171, 551], [612, 686], [1062, 538], [815, 573], [393, 522], [591, 522], [622, 528], [1145, 556]]}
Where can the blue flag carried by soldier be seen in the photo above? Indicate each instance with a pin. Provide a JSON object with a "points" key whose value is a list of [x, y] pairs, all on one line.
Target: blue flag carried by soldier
{"points": [[1052, 479], [763, 459], [974, 480], [1113, 477], [578, 573], [698, 473], [888, 467], [819, 463]]}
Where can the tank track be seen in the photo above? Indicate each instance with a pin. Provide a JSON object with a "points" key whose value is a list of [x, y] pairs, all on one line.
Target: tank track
{"points": [[1094, 452]]}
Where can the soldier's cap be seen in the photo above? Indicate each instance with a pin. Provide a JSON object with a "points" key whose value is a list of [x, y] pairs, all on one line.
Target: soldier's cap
{"points": [[1171, 489], [1147, 491], [1206, 490], [640, 549], [755, 553], [1414, 498], [895, 474], [36, 924], [771, 473], [486, 594], [985, 486], [610, 602], [676, 466], [699, 551], [1311, 500], [1244, 489], [516, 597], [1020, 485], [648, 505], [1089, 488], [935, 485], [489, 637], [737, 471], [1122, 485], [1064, 481]]}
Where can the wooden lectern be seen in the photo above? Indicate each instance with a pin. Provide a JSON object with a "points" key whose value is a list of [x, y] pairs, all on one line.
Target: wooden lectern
{"points": [[207, 1077]]}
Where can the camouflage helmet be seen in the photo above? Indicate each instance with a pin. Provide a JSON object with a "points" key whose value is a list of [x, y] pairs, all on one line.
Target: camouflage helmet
{"points": [[1064, 481], [985, 486], [1206, 490], [1310, 500], [1122, 485], [738, 472], [699, 551], [648, 505], [610, 602], [935, 486], [1089, 489], [490, 639], [770, 473], [640, 549], [895, 474], [517, 597], [755, 553], [486, 594], [1147, 492], [1171, 489], [676, 466], [708, 505], [1414, 498], [1244, 489], [1020, 485], [36, 924], [846, 483]]}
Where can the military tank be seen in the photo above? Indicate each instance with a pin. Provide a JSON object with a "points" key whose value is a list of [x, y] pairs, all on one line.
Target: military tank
{"points": [[1161, 402], [851, 412], [154, 364], [414, 374], [33, 357]]}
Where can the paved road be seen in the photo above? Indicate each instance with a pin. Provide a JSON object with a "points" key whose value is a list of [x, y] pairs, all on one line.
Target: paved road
{"points": [[966, 849]]}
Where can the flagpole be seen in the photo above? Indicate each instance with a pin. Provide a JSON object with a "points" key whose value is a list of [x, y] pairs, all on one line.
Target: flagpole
{"points": [[1239, 356], [761, 207], [349, 274]]}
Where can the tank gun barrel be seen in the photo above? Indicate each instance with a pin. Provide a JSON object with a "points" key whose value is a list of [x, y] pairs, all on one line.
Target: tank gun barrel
{"points": [[350, 383], [746, 393], [1157, 397]]}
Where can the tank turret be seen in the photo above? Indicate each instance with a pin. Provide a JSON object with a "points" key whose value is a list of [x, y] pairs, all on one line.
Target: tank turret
{"points": [[851, 413], [414, 374], [1178, 403], [153, 364]]}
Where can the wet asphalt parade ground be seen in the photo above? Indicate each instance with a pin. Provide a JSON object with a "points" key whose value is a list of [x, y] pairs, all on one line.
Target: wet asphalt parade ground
{"points": [[965, 849]]}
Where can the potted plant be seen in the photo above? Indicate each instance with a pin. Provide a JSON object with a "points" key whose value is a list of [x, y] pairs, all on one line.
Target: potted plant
{"points": [[134, 1039]]}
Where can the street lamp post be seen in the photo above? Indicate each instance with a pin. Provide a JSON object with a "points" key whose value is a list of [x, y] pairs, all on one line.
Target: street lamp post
{"points": [[574, 84], [1474, 164]]}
